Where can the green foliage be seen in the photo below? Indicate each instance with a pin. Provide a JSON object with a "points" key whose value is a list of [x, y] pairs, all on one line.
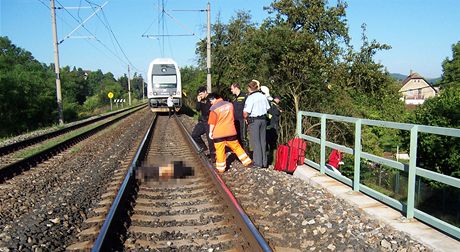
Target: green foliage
{"points": [[28, 92], [91, 103], [75, 87], [137, 86], [303, 54], [435, 152], [451, 68], [192, 78]]}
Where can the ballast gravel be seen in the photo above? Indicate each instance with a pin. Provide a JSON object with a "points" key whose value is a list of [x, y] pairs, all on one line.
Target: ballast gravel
{"points": [[43, 209], [291, 214]]}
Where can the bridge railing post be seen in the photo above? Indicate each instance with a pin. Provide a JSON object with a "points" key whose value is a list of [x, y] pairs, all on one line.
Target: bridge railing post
{"points": [[322, 159], [412, 172], [299, 123], [357, 154]]}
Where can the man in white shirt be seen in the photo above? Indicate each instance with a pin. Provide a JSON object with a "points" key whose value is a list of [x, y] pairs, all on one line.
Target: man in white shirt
{"points": [[254, 112], [170, 104]]}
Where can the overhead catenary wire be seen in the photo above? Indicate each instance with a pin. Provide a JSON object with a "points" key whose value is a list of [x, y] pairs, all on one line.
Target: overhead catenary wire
{"points": [[65, 22], [163, 29], [109, 28], [99, 41]]}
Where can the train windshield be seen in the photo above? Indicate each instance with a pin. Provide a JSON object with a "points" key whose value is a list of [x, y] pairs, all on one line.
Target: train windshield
{"points": [[164, 81]]}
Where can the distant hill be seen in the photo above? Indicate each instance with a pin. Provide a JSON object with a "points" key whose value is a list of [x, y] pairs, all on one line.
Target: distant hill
{"points": [[401, 77], [398, 76], [433, 81]]}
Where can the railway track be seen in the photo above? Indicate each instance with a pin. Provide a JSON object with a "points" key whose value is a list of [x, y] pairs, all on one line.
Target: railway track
{"points": [[22, 155], [170, 199]]}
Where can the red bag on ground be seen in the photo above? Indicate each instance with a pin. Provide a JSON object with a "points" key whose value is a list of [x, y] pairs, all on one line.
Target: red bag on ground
{"points": [[301, 146], [281, 157], [286, 158]]}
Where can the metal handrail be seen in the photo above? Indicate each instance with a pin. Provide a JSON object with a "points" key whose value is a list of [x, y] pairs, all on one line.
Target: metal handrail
{"points": [[412, 169]]}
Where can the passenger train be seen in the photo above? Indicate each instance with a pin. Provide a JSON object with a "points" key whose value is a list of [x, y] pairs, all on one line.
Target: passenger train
{"points": [[163, 79]]}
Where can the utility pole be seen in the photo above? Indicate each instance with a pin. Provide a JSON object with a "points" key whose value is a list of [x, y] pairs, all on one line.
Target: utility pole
{"points": [[208, 51], [143, 89], [129, 87], [56, 65]]}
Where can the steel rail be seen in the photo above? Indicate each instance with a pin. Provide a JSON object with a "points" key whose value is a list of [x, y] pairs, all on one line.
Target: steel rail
{"points": [[41, 156], [104, 240], [6, 149], [255, 240]]}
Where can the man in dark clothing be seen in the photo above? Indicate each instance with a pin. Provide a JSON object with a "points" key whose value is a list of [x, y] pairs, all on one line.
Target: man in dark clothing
{"points": [[238, 106], [273, 129], [202, 127]]}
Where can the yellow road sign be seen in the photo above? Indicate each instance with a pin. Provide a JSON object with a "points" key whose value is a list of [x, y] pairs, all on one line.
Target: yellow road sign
{"points": [[110, 95]]}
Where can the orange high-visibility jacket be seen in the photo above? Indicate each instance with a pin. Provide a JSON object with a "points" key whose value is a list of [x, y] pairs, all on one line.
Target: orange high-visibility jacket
{"points": [[221, 116]]}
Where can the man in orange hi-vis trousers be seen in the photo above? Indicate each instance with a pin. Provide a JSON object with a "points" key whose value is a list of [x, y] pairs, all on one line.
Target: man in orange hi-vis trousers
{"points": [[223, 133]]}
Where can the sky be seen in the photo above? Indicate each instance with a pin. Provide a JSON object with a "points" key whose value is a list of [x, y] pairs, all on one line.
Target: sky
{"points": [[420, 32]]}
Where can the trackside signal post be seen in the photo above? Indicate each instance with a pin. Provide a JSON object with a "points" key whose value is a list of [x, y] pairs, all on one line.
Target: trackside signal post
{"points": [[110, 95]]}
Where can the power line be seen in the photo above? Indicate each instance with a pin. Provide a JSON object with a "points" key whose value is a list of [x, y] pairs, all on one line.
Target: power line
{"points": [[109, 28], [44, 4], [99, 41]]}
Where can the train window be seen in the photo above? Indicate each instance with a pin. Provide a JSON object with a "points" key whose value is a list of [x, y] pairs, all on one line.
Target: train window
{"points": [[164, 81], [166, 69], [167, 85]]}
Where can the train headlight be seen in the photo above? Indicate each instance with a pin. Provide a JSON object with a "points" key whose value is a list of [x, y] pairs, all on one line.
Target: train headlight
{"points": [[173, 93], [154, 93]]}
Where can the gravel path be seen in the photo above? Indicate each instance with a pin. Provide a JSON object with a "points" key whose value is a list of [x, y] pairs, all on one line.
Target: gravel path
{"points": [[293, 214], [43, 209]]}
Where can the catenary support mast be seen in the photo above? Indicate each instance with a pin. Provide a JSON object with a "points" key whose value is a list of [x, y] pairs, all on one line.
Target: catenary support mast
{"points": [[56, 65], [129, 86], [208, 51]]}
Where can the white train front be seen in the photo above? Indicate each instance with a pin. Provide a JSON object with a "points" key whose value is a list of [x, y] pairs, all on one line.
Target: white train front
{"points": [[163, 80]]}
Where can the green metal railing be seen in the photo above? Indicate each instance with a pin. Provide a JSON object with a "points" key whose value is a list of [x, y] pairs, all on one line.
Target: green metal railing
{"points": [[407, 208]]}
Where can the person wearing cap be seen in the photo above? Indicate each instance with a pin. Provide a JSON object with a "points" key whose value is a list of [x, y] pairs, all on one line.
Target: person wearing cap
{"points": [[266, 91], [203, 104], [223, 132], [274, 114], [255, 112], [238, 106]]}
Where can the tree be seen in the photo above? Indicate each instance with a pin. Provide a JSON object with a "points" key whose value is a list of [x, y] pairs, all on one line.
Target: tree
{"points": [[451, 68], [27, 94], [192, 78], [137, 85], [435, 152], [231, 57]]}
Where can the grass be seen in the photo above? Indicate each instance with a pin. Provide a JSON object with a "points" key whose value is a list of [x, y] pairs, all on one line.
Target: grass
{"points": [[55, 141]]}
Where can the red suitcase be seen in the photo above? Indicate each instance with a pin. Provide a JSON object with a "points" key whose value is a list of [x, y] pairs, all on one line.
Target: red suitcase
{"points": [[286, 159], [281, 157], [301, 146]]}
